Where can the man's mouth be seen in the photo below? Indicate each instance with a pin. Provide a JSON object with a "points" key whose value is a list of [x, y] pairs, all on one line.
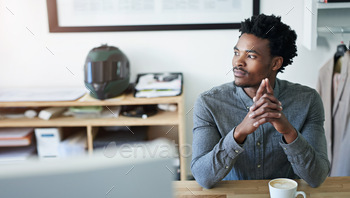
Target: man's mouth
{"points": [[238, 72]]}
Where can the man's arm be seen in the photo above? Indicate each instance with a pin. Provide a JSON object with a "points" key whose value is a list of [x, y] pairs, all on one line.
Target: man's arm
{"points": [[308, 152], [212, 155]]}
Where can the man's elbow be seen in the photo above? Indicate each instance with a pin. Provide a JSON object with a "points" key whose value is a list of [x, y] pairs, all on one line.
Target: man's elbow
{"points": [[317, 183], [204, 182], [202, 179]]}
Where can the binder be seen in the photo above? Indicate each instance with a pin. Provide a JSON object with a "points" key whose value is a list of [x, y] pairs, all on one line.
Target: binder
{"points": [[48, 142]]}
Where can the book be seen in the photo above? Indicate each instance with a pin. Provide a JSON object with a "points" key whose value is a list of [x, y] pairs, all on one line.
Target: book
{"points": [[15, 136]]}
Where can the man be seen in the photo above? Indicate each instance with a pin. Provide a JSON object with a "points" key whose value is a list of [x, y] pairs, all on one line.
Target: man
{"points": [[260, 127]]}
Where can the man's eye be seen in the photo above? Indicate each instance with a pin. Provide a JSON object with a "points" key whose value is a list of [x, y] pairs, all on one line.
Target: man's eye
{"points": [[251, 56], [236, 53]]}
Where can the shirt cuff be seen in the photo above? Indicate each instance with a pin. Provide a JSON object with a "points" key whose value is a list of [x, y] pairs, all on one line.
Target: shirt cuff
{"points": [[298, 146], [232, 148]]}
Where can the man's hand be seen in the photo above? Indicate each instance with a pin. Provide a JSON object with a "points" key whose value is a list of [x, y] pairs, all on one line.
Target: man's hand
{"points": [[266, 108]]}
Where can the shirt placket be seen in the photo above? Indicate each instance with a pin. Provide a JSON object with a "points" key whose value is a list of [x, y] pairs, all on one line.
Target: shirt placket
{"points": [[258, 136]]}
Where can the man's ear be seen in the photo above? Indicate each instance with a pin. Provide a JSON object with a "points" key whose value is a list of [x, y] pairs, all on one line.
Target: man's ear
{"points": [[277, 62]]}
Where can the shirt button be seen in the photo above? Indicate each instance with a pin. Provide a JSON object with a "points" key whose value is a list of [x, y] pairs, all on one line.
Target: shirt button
{"points": [[259, 165], [258, 143], [226, 167], [285, 148], [236, 151]]}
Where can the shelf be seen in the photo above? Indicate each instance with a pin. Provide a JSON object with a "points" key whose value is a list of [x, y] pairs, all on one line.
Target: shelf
{"points": [[128, 99], [333, 5], [323, 17], [334, 29], [161, 118]]}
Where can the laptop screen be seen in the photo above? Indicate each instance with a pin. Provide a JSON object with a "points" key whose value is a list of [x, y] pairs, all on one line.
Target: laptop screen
{"points": [[144, 171]]}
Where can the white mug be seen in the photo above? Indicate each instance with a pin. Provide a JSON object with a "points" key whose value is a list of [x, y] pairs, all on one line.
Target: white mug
{"points": [[284, 188]]}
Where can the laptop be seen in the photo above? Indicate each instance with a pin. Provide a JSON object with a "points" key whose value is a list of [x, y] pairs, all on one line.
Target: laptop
{"points": [[137, 171]]}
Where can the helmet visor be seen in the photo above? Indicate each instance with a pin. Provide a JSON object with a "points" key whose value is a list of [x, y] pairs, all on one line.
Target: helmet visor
{"points": [[102, 71]]}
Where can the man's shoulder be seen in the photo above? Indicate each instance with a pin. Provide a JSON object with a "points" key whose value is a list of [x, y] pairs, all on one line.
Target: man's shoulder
{"points": [[290, 88], [217, 96], [219, 91]]}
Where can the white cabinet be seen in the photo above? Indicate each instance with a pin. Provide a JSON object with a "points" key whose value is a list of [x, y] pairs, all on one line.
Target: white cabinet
{"points": [[329, 18]]}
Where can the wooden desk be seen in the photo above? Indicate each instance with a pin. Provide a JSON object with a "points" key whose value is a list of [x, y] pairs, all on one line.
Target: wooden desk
{"points": [[333, 187]]}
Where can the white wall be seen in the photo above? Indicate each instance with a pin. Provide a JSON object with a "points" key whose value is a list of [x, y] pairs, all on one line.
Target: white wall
{"points": [[203, 56]]}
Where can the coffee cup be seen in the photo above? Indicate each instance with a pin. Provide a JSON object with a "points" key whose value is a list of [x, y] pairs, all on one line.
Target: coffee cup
{"points": [[284, 188]]}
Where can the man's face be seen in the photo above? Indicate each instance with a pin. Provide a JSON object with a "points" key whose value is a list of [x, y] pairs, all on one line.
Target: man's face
{"points": [[252, 61]]}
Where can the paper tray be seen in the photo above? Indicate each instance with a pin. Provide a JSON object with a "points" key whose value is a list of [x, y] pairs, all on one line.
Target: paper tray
{"points": [[160, 85]]}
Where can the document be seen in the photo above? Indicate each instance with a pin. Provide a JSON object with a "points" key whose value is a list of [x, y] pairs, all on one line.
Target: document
{"points": [[40, 94], [15, 136], [15, 154], [158, 85]]}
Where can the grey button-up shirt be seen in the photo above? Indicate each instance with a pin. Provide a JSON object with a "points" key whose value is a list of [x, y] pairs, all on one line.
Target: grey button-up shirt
{"points": [[217, 156]]}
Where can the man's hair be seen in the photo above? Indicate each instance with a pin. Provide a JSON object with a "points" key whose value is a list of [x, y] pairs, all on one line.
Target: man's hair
{"points": [[281, 37]]}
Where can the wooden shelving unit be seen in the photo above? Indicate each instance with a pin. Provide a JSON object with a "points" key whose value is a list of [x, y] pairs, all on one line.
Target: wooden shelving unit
{"points": [[162, 118]]}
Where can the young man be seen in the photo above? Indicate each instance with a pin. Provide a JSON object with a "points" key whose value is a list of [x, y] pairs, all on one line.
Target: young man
{"points": [[260, 127]]}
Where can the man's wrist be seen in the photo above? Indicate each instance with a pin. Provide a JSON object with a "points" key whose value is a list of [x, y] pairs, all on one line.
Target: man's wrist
{"points": [[290, 136], [239, 138]]}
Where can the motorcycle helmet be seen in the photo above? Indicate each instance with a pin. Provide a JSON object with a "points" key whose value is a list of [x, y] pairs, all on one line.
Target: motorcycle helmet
{"points": [[106, 72]]}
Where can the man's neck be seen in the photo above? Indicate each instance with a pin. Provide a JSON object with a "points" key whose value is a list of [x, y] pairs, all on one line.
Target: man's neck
{"points": [[251, 91]]}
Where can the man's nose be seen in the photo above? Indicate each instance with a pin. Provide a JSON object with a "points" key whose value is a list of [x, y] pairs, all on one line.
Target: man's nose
{"points": [[239, 62]]}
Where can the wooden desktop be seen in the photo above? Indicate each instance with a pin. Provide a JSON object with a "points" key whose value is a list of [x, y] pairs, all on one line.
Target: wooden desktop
{"points": [[333, 187]]}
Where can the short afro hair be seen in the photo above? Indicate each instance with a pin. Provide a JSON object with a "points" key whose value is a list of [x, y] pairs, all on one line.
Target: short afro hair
{"points": [[281, 37]]}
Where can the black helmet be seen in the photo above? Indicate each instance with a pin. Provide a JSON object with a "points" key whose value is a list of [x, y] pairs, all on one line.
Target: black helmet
{"points": [[107, 72]]}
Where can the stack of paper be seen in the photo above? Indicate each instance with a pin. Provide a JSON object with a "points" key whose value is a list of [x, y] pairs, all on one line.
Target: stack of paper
{"points": [[16, 154], [158, 85], [75, 144], [41, 94], [86, 111], [15, 136]]}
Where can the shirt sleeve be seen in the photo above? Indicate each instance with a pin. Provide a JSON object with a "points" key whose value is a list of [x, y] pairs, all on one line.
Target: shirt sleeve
{"points": [[213, 156], [308, 152]]}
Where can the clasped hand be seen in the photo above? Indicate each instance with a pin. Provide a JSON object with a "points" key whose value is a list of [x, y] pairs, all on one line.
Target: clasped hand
{"points": [[266, 108]]}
